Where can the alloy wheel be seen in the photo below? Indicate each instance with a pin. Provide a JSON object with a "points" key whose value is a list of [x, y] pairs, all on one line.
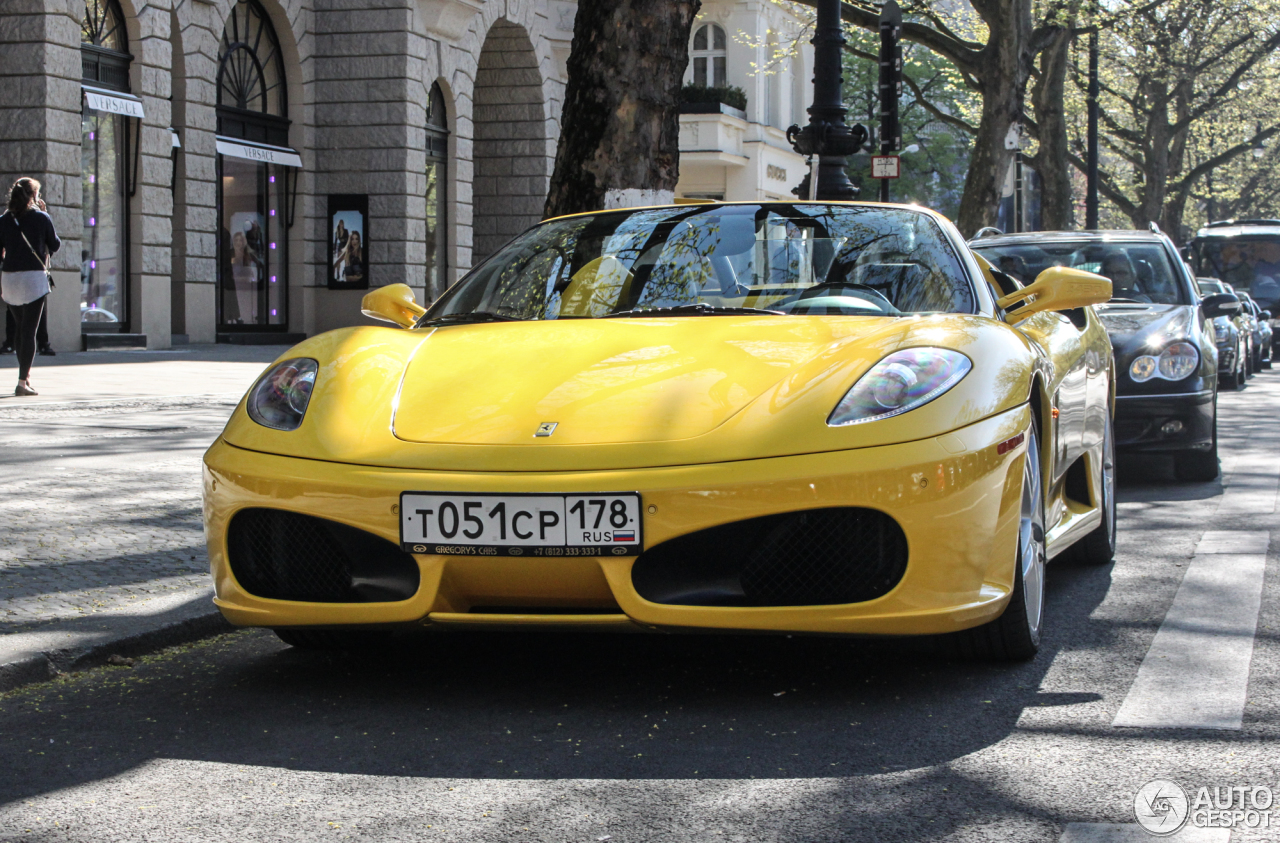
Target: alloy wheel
{"points": [[1031, 544]]}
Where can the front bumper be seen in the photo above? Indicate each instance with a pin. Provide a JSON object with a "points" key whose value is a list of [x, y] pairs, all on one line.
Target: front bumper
{"points": [[1165, 423], [955, 497]]}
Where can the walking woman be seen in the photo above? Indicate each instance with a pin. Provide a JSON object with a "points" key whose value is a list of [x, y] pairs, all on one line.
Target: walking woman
{"points": [[27, 239]]}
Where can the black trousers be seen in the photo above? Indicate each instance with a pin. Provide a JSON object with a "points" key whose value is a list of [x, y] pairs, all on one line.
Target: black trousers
{"points": [[26, 321], [42, 331]]}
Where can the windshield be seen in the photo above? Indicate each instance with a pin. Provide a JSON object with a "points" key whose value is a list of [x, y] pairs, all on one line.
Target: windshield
{"points": [[1139, 272], [1250, 265], [711, 259]]}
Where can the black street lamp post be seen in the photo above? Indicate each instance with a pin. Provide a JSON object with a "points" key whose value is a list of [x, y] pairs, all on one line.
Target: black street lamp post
{"points": [[1091, 141], [827, 136]]}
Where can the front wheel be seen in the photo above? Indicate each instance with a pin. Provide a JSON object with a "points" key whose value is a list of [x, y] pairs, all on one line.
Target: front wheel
{"points": [[1015, 635]]}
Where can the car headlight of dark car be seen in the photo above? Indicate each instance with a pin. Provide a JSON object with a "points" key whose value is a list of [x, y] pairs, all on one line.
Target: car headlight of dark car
{"points": [[1179, 360], [280, 398]]}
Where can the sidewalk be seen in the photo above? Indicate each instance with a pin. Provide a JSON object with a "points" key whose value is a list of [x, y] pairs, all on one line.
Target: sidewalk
{"points": [[101, 543]]}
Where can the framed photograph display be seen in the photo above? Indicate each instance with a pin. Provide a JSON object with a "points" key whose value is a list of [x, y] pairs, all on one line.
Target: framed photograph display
{"points": [[348, 266]]}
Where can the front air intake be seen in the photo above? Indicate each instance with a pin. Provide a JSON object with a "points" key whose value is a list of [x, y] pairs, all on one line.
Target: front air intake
{"points": [[290, 556], [811, 558]]}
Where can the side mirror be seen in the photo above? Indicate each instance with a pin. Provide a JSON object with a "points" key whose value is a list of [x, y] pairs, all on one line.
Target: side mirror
{"points": [[1266, 314], [1058, 288], [1220, 304], [393, 303]]}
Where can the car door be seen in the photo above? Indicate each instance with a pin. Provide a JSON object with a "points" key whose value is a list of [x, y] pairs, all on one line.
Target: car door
{"points": [[1065, 344]]}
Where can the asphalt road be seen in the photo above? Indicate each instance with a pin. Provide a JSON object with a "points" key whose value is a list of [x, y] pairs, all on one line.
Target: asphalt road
{"points": [[550, 737]]}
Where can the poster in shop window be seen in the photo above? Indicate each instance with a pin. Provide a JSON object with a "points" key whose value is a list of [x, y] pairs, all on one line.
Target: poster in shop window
{"points": [[348, 266]]}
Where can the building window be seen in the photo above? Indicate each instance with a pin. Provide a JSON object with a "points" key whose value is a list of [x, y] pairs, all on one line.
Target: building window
{"points": [[710, 57], [252, 132], [104, 153], [437, 208]]}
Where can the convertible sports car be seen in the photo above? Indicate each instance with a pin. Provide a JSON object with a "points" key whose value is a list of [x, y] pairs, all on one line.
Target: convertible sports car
{"points": [[789, 417]]}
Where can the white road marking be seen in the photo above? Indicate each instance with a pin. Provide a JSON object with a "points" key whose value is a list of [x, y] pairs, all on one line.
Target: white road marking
{"points": [[1196, 674], [1134, 833]]}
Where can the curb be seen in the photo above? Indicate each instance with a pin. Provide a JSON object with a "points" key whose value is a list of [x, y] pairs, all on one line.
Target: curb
{"points": [[51, 664]]}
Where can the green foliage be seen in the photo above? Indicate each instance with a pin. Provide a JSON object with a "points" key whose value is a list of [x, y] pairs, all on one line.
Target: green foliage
{"points": [[1189, 89], [934, 176], [730, 95]]}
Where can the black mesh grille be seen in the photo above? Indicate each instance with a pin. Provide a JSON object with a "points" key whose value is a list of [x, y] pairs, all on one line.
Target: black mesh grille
{"points": [[289, 556], [816, 557]]}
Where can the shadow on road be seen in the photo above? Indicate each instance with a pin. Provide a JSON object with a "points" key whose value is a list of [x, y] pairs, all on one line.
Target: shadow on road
{"points": [[541, 706]]}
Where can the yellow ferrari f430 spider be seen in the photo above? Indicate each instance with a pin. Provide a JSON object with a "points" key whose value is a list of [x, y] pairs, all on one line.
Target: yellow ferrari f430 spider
{"points": [[790, 417]]}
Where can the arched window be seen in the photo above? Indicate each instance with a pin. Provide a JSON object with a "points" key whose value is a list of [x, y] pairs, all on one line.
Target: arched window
{"points": [[437, 179], [710, 56], [104, 45], [104, 157], [253, 160], [252, 100]]}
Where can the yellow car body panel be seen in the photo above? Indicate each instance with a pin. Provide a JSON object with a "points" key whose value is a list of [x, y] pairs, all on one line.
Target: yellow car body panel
{"points": [[713, 421]]}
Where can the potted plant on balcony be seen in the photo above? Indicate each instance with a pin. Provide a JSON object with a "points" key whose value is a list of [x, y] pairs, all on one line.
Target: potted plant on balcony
{"points": [[725, 99]]}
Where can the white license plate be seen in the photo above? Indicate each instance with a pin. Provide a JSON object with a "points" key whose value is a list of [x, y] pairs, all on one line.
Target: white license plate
{"points": [[602, 524]]}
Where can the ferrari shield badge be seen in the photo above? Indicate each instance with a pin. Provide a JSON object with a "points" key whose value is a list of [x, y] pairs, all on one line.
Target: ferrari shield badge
{"points": [[546, 429]]}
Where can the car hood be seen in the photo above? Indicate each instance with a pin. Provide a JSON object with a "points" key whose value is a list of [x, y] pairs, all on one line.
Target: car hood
{"points": [[1131, 325], [624, 393], [606, 381]]}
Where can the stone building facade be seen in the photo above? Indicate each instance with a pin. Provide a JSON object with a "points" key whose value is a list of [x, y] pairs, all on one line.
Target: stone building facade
{"points": [[196, 154]]}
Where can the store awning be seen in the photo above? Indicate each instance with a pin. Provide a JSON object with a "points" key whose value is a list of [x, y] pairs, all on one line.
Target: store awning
{"points": [[236, 148], [113, 102]]}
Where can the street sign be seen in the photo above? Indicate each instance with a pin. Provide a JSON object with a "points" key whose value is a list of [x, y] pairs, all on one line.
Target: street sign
{"points": [[884, 166]]}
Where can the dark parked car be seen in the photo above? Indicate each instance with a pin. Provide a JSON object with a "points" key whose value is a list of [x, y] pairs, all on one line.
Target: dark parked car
{"points": [[1244, 254], [1232, 336], [1161, 332], [1262, 333]]}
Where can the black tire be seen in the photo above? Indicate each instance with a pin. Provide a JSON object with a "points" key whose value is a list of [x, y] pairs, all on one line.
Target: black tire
{"points": [[1015, 635], [1099, 547], [1257, 360], [329, 639], [1199, 466]]}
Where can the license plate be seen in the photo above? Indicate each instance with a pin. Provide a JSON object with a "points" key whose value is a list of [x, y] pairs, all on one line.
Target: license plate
{"points": [[601, 524]]}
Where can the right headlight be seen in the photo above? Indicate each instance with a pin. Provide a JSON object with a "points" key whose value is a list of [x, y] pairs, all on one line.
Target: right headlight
{"points": [[900, 383], [280, 399], [1176, 362]]}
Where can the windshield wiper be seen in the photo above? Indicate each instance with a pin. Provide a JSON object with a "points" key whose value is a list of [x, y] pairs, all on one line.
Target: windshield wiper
{"points": [[700, 309], [466, 318]]}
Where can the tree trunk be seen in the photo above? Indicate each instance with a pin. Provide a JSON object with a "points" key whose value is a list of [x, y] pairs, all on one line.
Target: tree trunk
{"points": [[1047, 98], [989, 161], [620, 128], [1005, 66]]}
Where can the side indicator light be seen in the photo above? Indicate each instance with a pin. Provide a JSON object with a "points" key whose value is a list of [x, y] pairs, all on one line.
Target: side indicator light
{"points": [[1009, 444]]}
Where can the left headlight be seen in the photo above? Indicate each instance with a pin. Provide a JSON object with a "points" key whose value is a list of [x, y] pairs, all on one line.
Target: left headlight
{"points": [[280, 399], [900, 383], [1176, 362]]}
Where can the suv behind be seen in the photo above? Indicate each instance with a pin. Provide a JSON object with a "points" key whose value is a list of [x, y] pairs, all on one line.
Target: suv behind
{"points": [[1244, 254]]}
